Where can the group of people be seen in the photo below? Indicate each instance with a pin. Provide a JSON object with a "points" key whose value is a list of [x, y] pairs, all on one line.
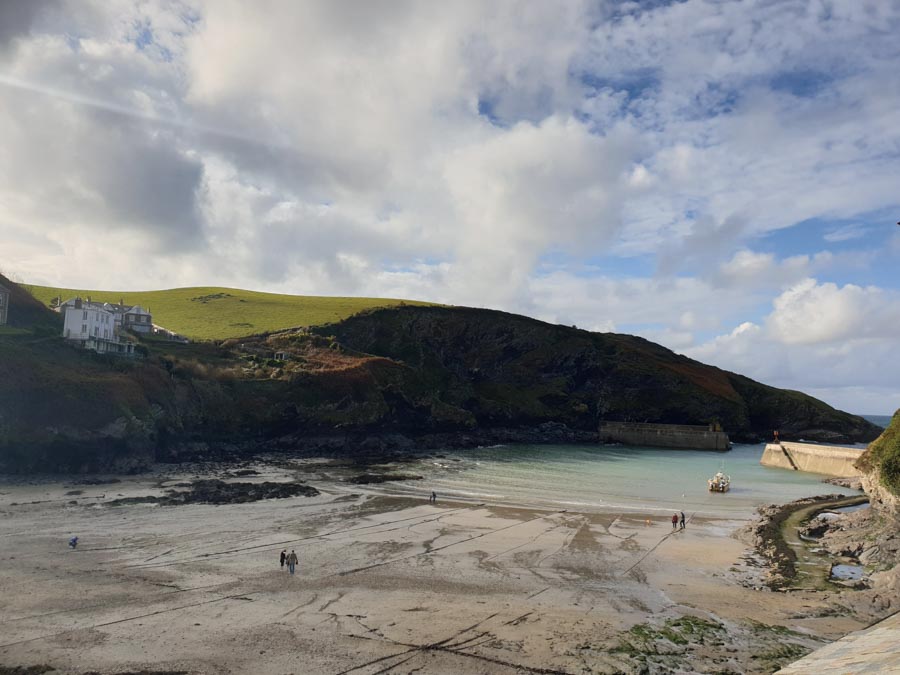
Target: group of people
{"points": [[289, 559], [676, 520]]}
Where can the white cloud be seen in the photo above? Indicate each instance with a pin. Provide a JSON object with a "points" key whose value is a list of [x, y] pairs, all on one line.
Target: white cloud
{"points": [[820, 338], [812, 313], [845, 233], [449, 150]]}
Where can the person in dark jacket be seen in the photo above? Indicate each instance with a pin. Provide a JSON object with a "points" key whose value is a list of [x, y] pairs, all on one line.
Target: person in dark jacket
{"points": [[682, 520], [283, 557]]}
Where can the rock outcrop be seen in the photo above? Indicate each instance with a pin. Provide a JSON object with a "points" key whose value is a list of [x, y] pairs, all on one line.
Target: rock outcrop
{"points": [[384, 381], [880, 466], [872, 537]]}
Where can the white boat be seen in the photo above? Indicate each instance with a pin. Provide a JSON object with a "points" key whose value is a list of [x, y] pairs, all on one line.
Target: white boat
{"points": [[719, 483]]}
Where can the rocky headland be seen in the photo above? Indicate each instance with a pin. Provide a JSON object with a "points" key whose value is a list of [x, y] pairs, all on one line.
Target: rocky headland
{"points": [[384, 382]]}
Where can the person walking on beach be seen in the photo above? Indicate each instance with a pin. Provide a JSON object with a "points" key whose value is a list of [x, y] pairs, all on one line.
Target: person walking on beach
{"points": [[674, 521], [292, 561], [73, 542], [433, 498], [682, 520], [283, 557]]}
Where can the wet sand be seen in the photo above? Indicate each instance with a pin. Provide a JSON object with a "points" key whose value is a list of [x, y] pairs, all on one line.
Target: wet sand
{"points": [[385, 584]]}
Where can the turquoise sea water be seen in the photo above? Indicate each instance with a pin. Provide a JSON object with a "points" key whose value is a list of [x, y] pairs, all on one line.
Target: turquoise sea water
{"points": [[588, 477]]}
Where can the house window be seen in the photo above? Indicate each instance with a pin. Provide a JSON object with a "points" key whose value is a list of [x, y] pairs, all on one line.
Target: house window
{"points": [[85, 315], [96, 331], [84, 328]]}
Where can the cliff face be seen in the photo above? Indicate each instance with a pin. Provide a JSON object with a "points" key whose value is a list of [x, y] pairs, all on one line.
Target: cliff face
{"points": [[880, 464], [505, 370], [458, 376]]}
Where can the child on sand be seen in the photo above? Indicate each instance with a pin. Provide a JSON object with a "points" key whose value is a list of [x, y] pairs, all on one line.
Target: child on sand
{"points": [[674, 521]]}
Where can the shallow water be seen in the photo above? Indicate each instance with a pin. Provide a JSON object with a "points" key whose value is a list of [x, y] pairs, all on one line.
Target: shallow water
{"points": [[590, 477], [847, 572]]}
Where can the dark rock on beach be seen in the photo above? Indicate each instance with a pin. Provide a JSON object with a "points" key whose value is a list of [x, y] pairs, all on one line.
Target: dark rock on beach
{"points": [[372, 478], [214, 491]]}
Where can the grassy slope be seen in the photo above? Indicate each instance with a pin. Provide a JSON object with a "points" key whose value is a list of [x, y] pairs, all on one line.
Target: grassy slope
{"points": [[884, 452], [210, 313]]}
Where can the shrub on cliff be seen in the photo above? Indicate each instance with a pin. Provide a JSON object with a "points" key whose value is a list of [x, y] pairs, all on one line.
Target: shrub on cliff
{"points": [[884, 454]]}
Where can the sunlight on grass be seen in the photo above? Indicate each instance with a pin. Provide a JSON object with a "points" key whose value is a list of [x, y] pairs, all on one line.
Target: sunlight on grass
{"points": [[210, 313]]}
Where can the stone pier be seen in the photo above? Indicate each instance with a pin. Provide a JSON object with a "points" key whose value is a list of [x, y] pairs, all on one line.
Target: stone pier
{"points": [[675, 436], [829, 460]]}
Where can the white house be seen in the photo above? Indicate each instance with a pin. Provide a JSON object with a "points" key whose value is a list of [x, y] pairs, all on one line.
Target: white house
{"points": [[132, 317], [94, 326]]}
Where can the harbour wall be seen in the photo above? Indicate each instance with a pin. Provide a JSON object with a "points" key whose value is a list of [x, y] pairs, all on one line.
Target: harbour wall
{"points": [[677, 436], [824, 459]]}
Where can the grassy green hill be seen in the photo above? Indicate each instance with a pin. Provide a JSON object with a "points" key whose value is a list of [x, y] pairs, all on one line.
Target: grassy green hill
{"points": [[211, 313]]}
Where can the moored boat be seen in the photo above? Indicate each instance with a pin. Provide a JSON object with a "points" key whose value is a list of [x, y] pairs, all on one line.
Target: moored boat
{"points": [[719, 483]]}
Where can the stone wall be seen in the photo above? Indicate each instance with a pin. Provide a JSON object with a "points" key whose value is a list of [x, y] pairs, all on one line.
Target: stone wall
{"points": [[873, 650], [823, 459], [677, 436]]}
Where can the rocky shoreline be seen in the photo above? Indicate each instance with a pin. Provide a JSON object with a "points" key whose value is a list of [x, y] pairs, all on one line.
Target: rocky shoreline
{"points": [[866, 538], [764, 534], [368, 447]]}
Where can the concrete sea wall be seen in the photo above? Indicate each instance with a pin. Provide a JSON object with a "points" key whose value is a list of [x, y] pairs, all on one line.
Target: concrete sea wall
{"points": [[677, 436], [824, 459], [873, 650]]}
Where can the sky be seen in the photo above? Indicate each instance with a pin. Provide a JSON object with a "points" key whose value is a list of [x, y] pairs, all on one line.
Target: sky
{"points": [[719, 177]]}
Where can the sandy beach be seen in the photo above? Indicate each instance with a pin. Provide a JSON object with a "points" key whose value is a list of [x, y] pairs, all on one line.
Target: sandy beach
{"points": [[385, 584]]}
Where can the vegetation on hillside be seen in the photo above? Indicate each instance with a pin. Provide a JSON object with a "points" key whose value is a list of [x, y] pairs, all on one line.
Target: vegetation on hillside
{"points": [[884, 454], [210, 313], [505, 369], [455, 375]]}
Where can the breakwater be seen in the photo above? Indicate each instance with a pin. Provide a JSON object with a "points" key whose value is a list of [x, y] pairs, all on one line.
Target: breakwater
{"points": [[825, 459], [675, 436]]}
